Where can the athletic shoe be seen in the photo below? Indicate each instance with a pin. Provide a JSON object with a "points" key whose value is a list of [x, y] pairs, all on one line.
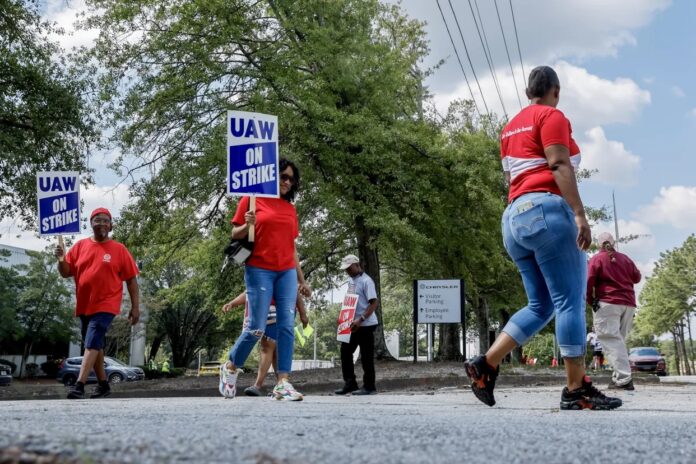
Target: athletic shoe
{"points": [[587, 397], [628, 386], [284, 391], [228, 382], [77, 392], [364, 391], [482, 377], [252, 391], [102, 391], [346, 388]]}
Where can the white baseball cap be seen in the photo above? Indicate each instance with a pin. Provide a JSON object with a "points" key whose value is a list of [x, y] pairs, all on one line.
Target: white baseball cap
{"points": [[605, 237], [348, 260]]}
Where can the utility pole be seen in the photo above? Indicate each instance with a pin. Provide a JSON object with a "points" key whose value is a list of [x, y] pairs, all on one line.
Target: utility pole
{"points": [[616, 221]]}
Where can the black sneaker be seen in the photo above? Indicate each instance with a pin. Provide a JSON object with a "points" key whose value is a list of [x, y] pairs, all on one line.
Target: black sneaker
{"points": [[482, 377], [77, 392], [102, 391], [347, 388], [364, 391], [587, 397], [628, 386]]}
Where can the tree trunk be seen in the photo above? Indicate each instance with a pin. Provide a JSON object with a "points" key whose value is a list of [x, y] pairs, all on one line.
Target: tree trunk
{"points": [[448, 349], [687, 364], [691, 341], [154, 348], [369, 260], [677, 361], [481, 311]]}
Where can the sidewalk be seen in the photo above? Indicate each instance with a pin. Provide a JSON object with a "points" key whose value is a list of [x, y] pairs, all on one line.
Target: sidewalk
{"points": [[391, 377]]}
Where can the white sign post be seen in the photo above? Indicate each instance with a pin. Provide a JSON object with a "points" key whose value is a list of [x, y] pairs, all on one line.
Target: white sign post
{"points": [[58, 199], [436, 302]]}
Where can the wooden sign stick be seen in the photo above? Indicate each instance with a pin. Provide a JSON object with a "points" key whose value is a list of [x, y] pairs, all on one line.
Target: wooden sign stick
{"points": [[252, 208]]}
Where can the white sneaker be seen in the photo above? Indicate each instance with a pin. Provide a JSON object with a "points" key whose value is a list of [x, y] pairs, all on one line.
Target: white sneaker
{"points": [[284, 391], [228, 382]]}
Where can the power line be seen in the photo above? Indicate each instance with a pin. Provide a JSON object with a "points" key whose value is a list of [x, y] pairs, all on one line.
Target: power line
{"points": [[468, 57], [487, 52], [507, 51], [519, 50], [458, 59]]}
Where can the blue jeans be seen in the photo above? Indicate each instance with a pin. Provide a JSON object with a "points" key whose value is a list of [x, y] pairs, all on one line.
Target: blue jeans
{"points": [[262, 286], [540, 234]]}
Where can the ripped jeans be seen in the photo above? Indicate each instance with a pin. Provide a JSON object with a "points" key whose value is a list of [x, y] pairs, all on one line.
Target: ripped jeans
{"points": [[262, 286]]}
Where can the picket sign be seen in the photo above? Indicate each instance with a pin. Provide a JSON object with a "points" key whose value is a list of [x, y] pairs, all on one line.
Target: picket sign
{"points": [[346, 316]]}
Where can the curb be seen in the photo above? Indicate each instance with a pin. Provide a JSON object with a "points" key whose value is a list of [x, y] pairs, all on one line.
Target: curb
{"points": [[326, 388]]}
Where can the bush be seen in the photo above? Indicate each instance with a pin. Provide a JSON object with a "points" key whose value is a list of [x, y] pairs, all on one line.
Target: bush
{"points": [[31, 370], [51, 367], [151, 374], [9, 364]]}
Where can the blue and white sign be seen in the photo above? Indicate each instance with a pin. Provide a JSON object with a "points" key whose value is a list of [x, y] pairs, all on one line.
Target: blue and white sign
{"points": [[58, 196], [252, 154]]}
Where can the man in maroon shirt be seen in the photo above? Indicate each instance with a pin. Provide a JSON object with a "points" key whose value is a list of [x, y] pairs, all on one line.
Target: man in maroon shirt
{"points": [[610, 279]]}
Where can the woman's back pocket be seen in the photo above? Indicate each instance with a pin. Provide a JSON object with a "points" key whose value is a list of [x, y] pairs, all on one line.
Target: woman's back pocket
{"points": [[529, 222]]}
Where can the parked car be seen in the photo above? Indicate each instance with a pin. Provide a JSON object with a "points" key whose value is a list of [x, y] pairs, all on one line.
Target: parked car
{"points": [[116, 371], [209, 368], [647, 359], [5, 375]]}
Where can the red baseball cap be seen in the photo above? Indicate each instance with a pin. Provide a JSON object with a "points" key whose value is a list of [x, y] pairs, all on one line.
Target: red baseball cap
{"points": [[99, 211]]}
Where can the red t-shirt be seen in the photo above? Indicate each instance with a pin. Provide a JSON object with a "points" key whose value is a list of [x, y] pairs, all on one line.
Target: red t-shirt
{"points": [[100, 270], [276, 229], [610, 277], [522, 144]]}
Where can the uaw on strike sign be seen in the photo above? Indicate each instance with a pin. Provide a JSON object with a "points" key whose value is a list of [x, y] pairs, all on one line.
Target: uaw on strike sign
{"points": [[346, 316], [58, 195], [252, 154]]}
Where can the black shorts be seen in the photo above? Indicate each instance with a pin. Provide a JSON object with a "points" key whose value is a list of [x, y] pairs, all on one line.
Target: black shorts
{"points": [[94, 328], [598, 353]]}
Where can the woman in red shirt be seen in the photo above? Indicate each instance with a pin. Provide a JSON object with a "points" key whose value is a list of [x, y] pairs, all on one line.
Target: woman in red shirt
{"points": [[272, 272], [545, 232]]}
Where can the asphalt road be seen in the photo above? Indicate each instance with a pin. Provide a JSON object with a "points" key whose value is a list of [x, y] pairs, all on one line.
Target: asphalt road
{"points": [[656, 424]]}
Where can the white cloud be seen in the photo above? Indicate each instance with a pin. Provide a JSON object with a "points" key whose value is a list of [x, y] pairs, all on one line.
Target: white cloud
{"points": [[64, 15], [674, 206], [591, 27], [616, 164], [645, 241], [649, 80], [589, 100], [678, 91]]}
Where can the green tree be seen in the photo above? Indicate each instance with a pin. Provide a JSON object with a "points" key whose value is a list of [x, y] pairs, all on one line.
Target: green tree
{"points": [[10, 288], [668, 302], [44, 307], [45, 120], [340, 76]]}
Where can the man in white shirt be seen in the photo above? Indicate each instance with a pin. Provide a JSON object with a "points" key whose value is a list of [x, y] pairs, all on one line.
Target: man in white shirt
{"points": [[362, 328]]}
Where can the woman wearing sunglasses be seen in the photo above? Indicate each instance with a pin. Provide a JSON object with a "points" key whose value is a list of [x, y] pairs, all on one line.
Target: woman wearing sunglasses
{"points": [[272, 272]]}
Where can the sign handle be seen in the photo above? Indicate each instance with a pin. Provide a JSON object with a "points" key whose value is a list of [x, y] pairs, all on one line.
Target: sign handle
{"points": [[61, 243], [252, 208]]}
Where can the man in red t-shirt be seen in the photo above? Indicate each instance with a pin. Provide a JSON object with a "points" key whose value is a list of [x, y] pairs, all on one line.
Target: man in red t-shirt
{"points": [[610, 279], [99, 266]]}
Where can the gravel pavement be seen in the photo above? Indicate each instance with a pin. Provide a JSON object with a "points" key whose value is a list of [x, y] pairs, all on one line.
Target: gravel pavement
{"points": [[656, 424]]}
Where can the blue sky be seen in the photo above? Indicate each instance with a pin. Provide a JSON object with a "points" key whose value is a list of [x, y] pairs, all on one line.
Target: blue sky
{"points": [[628, 78]]}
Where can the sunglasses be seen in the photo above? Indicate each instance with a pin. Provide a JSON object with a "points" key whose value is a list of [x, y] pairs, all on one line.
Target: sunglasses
{"points": [[100, 222], [287, 178]]}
